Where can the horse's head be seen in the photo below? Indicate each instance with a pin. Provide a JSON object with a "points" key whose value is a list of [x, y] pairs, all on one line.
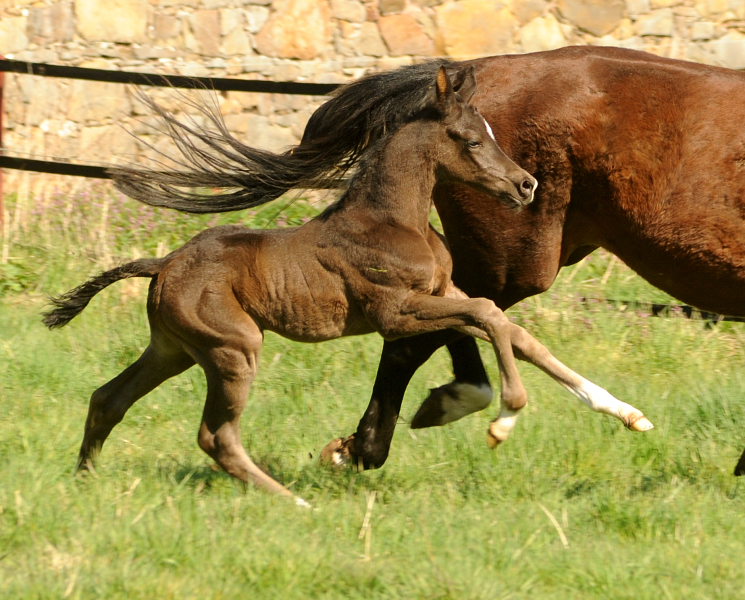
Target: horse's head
{"points": [[469, 154]]}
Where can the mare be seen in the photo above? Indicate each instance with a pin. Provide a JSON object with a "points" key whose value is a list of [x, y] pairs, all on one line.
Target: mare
{"points": [[641, 155], [370, 263]]}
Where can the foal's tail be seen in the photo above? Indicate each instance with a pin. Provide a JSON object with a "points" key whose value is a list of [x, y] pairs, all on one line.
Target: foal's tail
{"points": [[336, 136], [70, 304]]}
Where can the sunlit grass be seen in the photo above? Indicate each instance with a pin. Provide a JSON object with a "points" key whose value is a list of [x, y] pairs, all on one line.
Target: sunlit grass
{"points": [[650, 515]]}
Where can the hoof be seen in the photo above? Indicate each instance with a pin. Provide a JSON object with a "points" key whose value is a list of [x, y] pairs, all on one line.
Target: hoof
{"points": [[338, 452], [430, 413], [491, 440], [640, 423], [451, 402], [740, 468], [85, 467], [500, 428], [496, 434]]}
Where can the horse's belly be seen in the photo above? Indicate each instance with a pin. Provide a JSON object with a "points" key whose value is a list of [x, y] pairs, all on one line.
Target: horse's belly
{"points": [[703, 266]]}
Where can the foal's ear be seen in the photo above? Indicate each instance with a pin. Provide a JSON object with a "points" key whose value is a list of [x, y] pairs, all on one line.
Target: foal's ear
{"points": [[465, 86], [445, 95]]}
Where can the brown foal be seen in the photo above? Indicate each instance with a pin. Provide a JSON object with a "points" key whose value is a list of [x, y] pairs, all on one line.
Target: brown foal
{"points": [[369, 263]]}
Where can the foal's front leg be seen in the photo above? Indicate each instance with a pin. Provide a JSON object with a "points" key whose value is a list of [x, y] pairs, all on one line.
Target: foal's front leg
{"points": [[529, 349], [420, 314], [475, 316]]}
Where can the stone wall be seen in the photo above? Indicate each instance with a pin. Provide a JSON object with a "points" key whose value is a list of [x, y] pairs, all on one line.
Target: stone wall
{"points": [[297, 40]]}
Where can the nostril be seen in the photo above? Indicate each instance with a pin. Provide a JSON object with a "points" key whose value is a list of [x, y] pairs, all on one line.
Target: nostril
{"points": [[526, 187]]}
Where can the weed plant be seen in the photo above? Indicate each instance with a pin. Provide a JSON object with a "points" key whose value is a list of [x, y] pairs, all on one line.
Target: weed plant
{"points": [[571, 506]]}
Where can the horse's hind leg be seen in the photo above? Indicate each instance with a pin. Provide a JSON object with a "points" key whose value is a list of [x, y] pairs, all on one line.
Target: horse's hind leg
{"points": [[109, 403], [230, 369]]}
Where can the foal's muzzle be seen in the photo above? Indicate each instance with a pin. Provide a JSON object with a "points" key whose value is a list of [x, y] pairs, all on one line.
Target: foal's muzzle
{"points": [[526, 189]]}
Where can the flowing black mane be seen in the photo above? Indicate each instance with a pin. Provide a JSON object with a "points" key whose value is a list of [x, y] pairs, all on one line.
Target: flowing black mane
{"points": [[336, 137]]}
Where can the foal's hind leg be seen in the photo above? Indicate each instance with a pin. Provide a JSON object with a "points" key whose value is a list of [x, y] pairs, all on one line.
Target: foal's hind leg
{"points": [[109, 403], [230, 367]]}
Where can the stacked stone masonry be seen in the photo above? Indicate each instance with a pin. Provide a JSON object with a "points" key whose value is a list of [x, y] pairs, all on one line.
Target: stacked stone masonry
{"points": [[292, 40]]}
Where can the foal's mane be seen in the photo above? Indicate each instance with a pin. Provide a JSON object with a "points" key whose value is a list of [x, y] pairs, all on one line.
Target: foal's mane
{"points": [[337, 136]]}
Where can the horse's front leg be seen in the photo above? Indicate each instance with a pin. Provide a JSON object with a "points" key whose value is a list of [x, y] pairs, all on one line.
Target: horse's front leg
{"points": [[454, 401], [419, 314], [469, 391], [368, 447]]}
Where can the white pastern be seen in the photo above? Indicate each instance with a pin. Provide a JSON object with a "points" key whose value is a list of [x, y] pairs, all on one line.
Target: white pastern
{"points": [[600, 400], [463, 399], [502, 426], [339, 459]]}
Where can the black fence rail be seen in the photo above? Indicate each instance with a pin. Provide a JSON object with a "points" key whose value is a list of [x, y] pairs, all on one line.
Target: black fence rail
{"points": [[218, 84], [664, 310]]}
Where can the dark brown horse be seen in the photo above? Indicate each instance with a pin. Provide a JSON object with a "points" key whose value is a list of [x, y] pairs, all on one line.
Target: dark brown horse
{"points": [[641, 155], [371, 262]]}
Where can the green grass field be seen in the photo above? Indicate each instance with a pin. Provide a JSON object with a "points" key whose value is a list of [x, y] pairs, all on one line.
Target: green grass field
{"points": [[655, 515]]}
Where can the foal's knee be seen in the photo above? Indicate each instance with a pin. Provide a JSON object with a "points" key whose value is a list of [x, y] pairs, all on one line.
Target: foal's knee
{"points": [[515, 400], [220, 445]]}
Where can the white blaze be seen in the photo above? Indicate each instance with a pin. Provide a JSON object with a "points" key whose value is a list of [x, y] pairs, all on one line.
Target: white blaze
{"points": [[488, 130]]}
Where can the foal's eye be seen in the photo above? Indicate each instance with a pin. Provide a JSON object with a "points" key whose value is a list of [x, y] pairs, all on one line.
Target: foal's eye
{"points": [[473, 143]]}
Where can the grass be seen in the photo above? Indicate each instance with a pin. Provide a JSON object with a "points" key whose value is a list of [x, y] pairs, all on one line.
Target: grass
{"points": [[656, 515]]}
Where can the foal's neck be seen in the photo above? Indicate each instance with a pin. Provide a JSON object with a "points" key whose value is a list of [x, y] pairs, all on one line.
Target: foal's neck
{"points": [[399, 179]]}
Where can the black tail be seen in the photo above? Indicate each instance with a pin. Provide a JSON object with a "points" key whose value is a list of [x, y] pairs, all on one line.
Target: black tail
{"points": [[70, 304], [336, 136]]}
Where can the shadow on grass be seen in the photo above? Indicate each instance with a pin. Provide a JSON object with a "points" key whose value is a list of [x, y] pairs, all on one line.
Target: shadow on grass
{"points": [[313, 478]]}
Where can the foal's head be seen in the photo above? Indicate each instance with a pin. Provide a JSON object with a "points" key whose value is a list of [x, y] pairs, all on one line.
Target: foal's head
{"points": [[468, 152]]}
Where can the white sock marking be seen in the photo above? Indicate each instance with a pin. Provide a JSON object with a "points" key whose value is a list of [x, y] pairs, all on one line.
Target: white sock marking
{"points": [[503, 425], [602, 401]]}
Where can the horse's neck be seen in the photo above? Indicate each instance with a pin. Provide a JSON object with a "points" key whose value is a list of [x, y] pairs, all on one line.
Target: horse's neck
{"points": [[397, 182]]}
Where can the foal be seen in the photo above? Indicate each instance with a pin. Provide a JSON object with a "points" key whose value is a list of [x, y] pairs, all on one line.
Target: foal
{"points": [[370, 262]]}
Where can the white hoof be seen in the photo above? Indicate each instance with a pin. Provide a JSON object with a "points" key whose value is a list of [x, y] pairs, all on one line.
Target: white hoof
{"points": [[640, 424]]}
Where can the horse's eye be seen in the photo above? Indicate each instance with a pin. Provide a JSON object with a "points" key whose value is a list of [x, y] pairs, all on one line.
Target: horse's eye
{"points": [[473, 143]]}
